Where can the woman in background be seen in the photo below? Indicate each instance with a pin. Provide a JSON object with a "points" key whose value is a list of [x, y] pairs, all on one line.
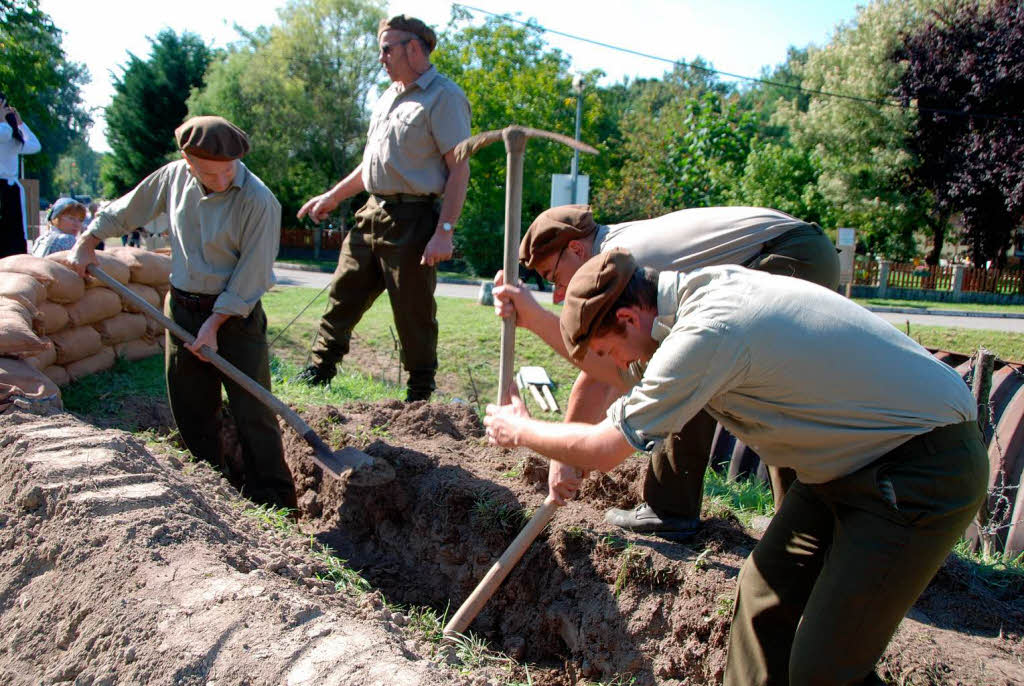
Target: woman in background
{"points": [[15, 139], [67, 220]]}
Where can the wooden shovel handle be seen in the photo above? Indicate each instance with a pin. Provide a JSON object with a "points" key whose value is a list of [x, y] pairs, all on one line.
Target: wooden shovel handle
{"points": [[469, 609], [230, 370]]}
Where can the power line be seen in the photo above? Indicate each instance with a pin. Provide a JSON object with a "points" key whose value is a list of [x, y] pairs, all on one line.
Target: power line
{"points": [[752, 79]]}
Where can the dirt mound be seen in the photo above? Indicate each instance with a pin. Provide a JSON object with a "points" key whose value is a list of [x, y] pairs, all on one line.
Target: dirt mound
{"points": [[586, 601], [117, 568], [120, 567]]}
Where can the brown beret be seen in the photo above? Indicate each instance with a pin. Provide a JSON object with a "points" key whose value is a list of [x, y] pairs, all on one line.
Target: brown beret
{"points": [[591, 294], [409, 25], [212, 138], [552, 230]]}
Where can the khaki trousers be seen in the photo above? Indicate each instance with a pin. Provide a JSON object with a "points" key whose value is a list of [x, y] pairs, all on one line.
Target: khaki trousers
{"points": [[675, 476], [194, 392], [842, 562], [383, 251]]}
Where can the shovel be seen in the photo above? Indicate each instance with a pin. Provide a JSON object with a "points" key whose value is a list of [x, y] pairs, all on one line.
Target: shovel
{"points": [[363, 470], [540, 385]]}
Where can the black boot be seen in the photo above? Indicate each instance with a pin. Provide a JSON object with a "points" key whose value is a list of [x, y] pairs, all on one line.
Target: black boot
{"points": [[643, 520], [314, 375]]}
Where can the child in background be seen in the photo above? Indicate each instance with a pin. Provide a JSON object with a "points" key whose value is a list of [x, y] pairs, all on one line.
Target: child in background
{"points": [[67, 220]]}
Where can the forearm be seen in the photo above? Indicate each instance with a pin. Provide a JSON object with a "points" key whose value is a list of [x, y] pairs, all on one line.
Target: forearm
{"points": [[348, 186], [454, 193], [584, 446]]}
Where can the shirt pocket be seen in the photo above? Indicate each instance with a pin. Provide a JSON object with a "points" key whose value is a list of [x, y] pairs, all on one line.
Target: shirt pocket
{"points": [[410, 131]]}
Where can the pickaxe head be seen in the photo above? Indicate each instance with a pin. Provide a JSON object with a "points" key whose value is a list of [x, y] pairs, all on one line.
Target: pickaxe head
{"points": [[515, 141]]}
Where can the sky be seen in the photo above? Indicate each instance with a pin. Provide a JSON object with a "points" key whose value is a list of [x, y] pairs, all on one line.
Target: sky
{"points": [[736, 36]]}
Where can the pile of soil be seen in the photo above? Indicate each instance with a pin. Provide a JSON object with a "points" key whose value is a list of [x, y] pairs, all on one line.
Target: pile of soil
{"points": [[118, 566]]}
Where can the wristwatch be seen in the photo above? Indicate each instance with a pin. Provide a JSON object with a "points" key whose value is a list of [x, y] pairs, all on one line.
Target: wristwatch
{"points": [[446, 227]]}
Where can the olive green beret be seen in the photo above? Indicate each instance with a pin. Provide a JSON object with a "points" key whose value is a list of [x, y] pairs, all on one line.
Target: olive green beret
{"points": [[212, 138], [552, 230], [409, 25], [590, 295]]}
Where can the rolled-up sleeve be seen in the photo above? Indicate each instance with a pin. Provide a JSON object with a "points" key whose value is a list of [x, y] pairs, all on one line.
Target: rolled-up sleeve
{"points": [[253, 275], [695, 363], [136, 208]]}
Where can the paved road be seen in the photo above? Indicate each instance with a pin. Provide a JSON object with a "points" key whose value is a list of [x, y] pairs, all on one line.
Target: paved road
{"points": [[294, 277]]}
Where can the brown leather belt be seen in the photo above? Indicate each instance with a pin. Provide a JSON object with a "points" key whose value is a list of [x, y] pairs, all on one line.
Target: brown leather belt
{"points": [[194, 302]]}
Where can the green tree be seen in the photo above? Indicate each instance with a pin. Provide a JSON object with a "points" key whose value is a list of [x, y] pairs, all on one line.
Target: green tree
{"points": [[782, 177], [861, 146], [298, 88], [685, 145], [78, 171], [510, 76], [42, 84], [148, 104]]}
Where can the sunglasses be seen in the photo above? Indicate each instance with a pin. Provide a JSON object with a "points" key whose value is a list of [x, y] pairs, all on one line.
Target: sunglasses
{"points": [[386, 49]]}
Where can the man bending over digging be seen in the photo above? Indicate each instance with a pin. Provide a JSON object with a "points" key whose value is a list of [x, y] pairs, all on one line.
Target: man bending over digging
{"points": [[883, 437], [561, 239]]}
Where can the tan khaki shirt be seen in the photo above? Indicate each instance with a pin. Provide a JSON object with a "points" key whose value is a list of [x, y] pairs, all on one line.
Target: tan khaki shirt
{"points": [[697, 237], [220, 242], [805, 377], [411, 130]]}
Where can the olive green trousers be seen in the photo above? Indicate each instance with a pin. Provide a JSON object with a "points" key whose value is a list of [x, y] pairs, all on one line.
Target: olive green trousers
{"points": [[842, 562], [382, 252], [194, 393]]}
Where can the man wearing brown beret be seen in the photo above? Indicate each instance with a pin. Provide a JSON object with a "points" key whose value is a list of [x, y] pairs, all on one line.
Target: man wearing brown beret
{"points": [[225, 227], [883, 437], [417, 189], [562, 238]]}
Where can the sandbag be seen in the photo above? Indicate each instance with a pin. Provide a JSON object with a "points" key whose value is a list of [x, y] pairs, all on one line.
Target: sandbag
{"points": [[10, 307], [147, 293], [152, 269], [57, 375], [17, 339], [113, 266], [138, 349], [76, 343], [121, 327], [43, 359], [125, 255], [62, 284], [19, 380], [154, 329], [93, 364], [52, 317], [23, 288], [96, 305]]}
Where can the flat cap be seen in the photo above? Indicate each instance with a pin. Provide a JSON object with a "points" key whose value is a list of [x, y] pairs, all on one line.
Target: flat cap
{"points": [[552, 230], [212, 138], [409, 25], [591, 294]]}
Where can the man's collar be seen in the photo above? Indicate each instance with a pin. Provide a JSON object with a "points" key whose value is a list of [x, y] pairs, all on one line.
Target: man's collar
{"points": [[668, 305], [426, 78]]}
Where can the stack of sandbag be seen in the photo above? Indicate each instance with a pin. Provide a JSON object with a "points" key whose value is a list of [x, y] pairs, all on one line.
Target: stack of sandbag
{"points": [[68, 327]]}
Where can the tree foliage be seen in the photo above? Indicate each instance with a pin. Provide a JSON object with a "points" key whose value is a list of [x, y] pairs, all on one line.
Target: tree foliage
{"points": [[42, 84], [685, 142], [860, 146], [965, 71], [298, 89], [148, 104], [78, 171]]}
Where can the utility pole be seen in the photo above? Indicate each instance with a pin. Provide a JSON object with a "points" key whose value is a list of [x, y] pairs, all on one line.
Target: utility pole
{"points": [[577, 88]]}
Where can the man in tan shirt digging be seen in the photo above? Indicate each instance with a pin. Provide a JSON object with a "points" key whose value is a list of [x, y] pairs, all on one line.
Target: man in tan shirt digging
{"points": [[891, 466]]}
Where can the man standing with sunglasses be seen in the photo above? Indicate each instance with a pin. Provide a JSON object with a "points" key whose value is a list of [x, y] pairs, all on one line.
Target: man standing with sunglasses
{"points": [[405, 229]]}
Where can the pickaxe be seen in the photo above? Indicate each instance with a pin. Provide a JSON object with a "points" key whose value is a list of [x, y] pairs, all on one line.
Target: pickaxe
{"points": [[515, 146]]}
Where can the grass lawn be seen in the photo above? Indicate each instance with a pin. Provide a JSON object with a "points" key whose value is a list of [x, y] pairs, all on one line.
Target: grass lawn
{"points": [[931, 305]]}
